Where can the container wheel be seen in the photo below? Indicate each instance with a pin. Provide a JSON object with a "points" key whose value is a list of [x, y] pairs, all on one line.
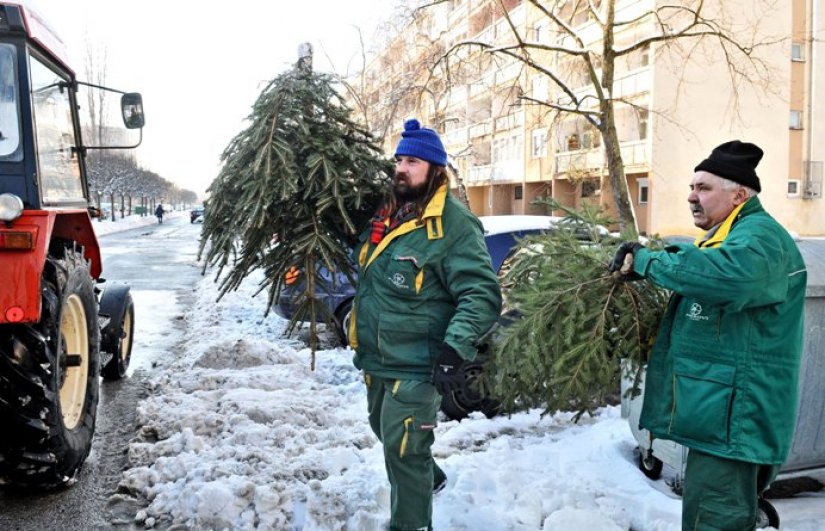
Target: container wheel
{"points": [[116, 337], [766, 515], [343, 315], [49, 384], [650, 465]]}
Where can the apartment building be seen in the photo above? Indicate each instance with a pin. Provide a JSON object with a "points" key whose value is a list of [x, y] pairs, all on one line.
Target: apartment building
{"points": [[674, 103]]}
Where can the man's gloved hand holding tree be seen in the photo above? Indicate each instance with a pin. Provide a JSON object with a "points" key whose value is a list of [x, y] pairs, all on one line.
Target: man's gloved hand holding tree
{"points": [[622, 263]]}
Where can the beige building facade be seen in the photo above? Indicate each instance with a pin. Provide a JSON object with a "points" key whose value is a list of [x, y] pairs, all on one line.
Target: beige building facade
{"points": [[673, 105]]}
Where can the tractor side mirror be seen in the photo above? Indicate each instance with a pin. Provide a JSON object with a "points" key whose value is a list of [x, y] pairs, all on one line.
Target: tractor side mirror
{"points": [[131, 105]]}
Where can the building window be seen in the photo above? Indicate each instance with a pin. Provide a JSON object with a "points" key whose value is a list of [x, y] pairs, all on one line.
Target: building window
{"points": [[643, 191], [793, 188], [797, 51], [518, 192], [796, 120], [590, 187], [539, 89], [540, 33], [539, 143], [643, 119], [573, 142], [591, 139]]}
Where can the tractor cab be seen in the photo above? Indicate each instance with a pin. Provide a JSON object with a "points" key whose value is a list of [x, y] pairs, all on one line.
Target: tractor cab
{"points": [[61, 327]]}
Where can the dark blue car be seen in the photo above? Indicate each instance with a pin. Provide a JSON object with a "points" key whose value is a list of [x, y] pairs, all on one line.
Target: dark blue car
{"points": [[501, 234]]}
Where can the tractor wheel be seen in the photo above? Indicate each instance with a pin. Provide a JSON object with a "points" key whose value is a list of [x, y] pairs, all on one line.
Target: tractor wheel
{"points": [[49, 379], [116, 337]]}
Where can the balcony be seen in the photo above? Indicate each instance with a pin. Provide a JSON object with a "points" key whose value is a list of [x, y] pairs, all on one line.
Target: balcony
{"points": [[506, 74], [634, 154], [511, 121], [456, 137], [506, 171], [481, 128]]}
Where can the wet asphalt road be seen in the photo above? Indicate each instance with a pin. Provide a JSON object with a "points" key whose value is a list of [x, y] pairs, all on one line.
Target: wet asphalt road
{"points": [[157, 261]]}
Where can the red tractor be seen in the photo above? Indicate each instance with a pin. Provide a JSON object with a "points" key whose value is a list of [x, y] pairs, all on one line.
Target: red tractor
{"points": [[60, 329]]}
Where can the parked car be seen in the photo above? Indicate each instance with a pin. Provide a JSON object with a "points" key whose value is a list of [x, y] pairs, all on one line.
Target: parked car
{"points": [[336, 292], [196, 215]]}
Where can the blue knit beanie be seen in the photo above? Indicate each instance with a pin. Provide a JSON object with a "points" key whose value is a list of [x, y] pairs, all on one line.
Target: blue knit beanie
{"points": [[421, 143]]}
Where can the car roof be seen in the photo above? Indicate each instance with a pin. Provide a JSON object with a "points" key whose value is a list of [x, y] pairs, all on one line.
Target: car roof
{"points": [[522, 222], [516, 222]]}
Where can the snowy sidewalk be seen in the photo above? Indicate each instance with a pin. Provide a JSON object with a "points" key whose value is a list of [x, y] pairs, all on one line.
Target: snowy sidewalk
{"points": [[108, 226], [239, 434]]}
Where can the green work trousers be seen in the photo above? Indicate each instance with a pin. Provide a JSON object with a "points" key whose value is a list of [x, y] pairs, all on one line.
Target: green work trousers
{"points": [[402, 414], [722, 494]]}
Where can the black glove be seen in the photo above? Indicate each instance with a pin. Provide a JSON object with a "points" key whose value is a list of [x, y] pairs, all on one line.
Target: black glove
{"points": [[448, 372], [618, 265]]}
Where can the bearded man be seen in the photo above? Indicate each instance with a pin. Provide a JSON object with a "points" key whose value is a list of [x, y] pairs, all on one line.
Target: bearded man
{"points": [[426, 294]]}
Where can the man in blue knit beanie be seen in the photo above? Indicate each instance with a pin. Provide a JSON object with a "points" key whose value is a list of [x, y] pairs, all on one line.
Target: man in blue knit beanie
{"points": [[426, 294]]}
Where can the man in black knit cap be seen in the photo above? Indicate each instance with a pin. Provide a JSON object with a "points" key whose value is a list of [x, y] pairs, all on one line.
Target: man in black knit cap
{"points": [[722, 378]]}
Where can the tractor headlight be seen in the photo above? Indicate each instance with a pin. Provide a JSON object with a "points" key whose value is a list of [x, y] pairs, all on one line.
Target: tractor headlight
{"points": [[11, 207]]}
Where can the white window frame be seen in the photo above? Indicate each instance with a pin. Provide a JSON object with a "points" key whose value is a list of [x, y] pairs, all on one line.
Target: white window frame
{"points": [[797, 52], [795, 119], [540, 88], [794, 187], [643, 183], [538, 145]]}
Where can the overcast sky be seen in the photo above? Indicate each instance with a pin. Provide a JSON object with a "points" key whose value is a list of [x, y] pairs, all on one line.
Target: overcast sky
{"points": [[200, 65]]}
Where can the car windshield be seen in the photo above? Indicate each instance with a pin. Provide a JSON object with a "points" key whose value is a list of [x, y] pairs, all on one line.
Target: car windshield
{"points": [[10, 148]]}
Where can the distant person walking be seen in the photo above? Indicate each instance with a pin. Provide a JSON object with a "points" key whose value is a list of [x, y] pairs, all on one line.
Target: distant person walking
{"points": [[159, 213]]}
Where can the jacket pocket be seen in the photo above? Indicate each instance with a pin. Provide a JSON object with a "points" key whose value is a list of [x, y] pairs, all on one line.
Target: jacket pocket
{"points": [[405, 274], [703, 394], [403, 341]]}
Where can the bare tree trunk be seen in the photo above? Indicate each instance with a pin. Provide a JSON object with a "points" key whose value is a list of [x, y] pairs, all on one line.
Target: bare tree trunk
{"points": [[616, 177]]}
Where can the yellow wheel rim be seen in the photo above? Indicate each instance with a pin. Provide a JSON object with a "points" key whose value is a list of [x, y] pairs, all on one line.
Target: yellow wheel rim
{"points": [[126, 338], [75, 338]]}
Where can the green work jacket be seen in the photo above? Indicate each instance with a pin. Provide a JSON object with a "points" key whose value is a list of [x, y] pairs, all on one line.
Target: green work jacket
{"points": [[429, 280], [723, 374]]}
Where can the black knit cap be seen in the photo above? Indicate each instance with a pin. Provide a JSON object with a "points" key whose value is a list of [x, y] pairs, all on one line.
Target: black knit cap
{"points": [[735, 161]]}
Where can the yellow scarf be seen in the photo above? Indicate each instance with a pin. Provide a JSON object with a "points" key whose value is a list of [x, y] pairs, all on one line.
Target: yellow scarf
{"points": [[722, 233]]}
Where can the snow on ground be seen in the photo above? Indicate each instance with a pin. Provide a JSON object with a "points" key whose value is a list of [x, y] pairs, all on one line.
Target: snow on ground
{"points": [[107, 226], [238, 433]]}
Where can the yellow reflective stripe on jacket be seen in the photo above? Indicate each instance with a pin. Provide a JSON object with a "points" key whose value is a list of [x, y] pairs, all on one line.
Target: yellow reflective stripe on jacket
{"points": [[352, 331], [434, 228], [419, 280], [431, 217], [395, 387], [435, 208], [724, 229], [407, 422], [362, 256], [402, 229]]}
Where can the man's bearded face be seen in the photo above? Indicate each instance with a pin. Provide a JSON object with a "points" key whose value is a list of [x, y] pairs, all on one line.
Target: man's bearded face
{"points": [[410, 180]]}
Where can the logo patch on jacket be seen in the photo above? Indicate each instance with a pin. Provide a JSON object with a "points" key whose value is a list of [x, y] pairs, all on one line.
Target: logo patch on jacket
{"points": [[695, 313], [399, 281]]}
